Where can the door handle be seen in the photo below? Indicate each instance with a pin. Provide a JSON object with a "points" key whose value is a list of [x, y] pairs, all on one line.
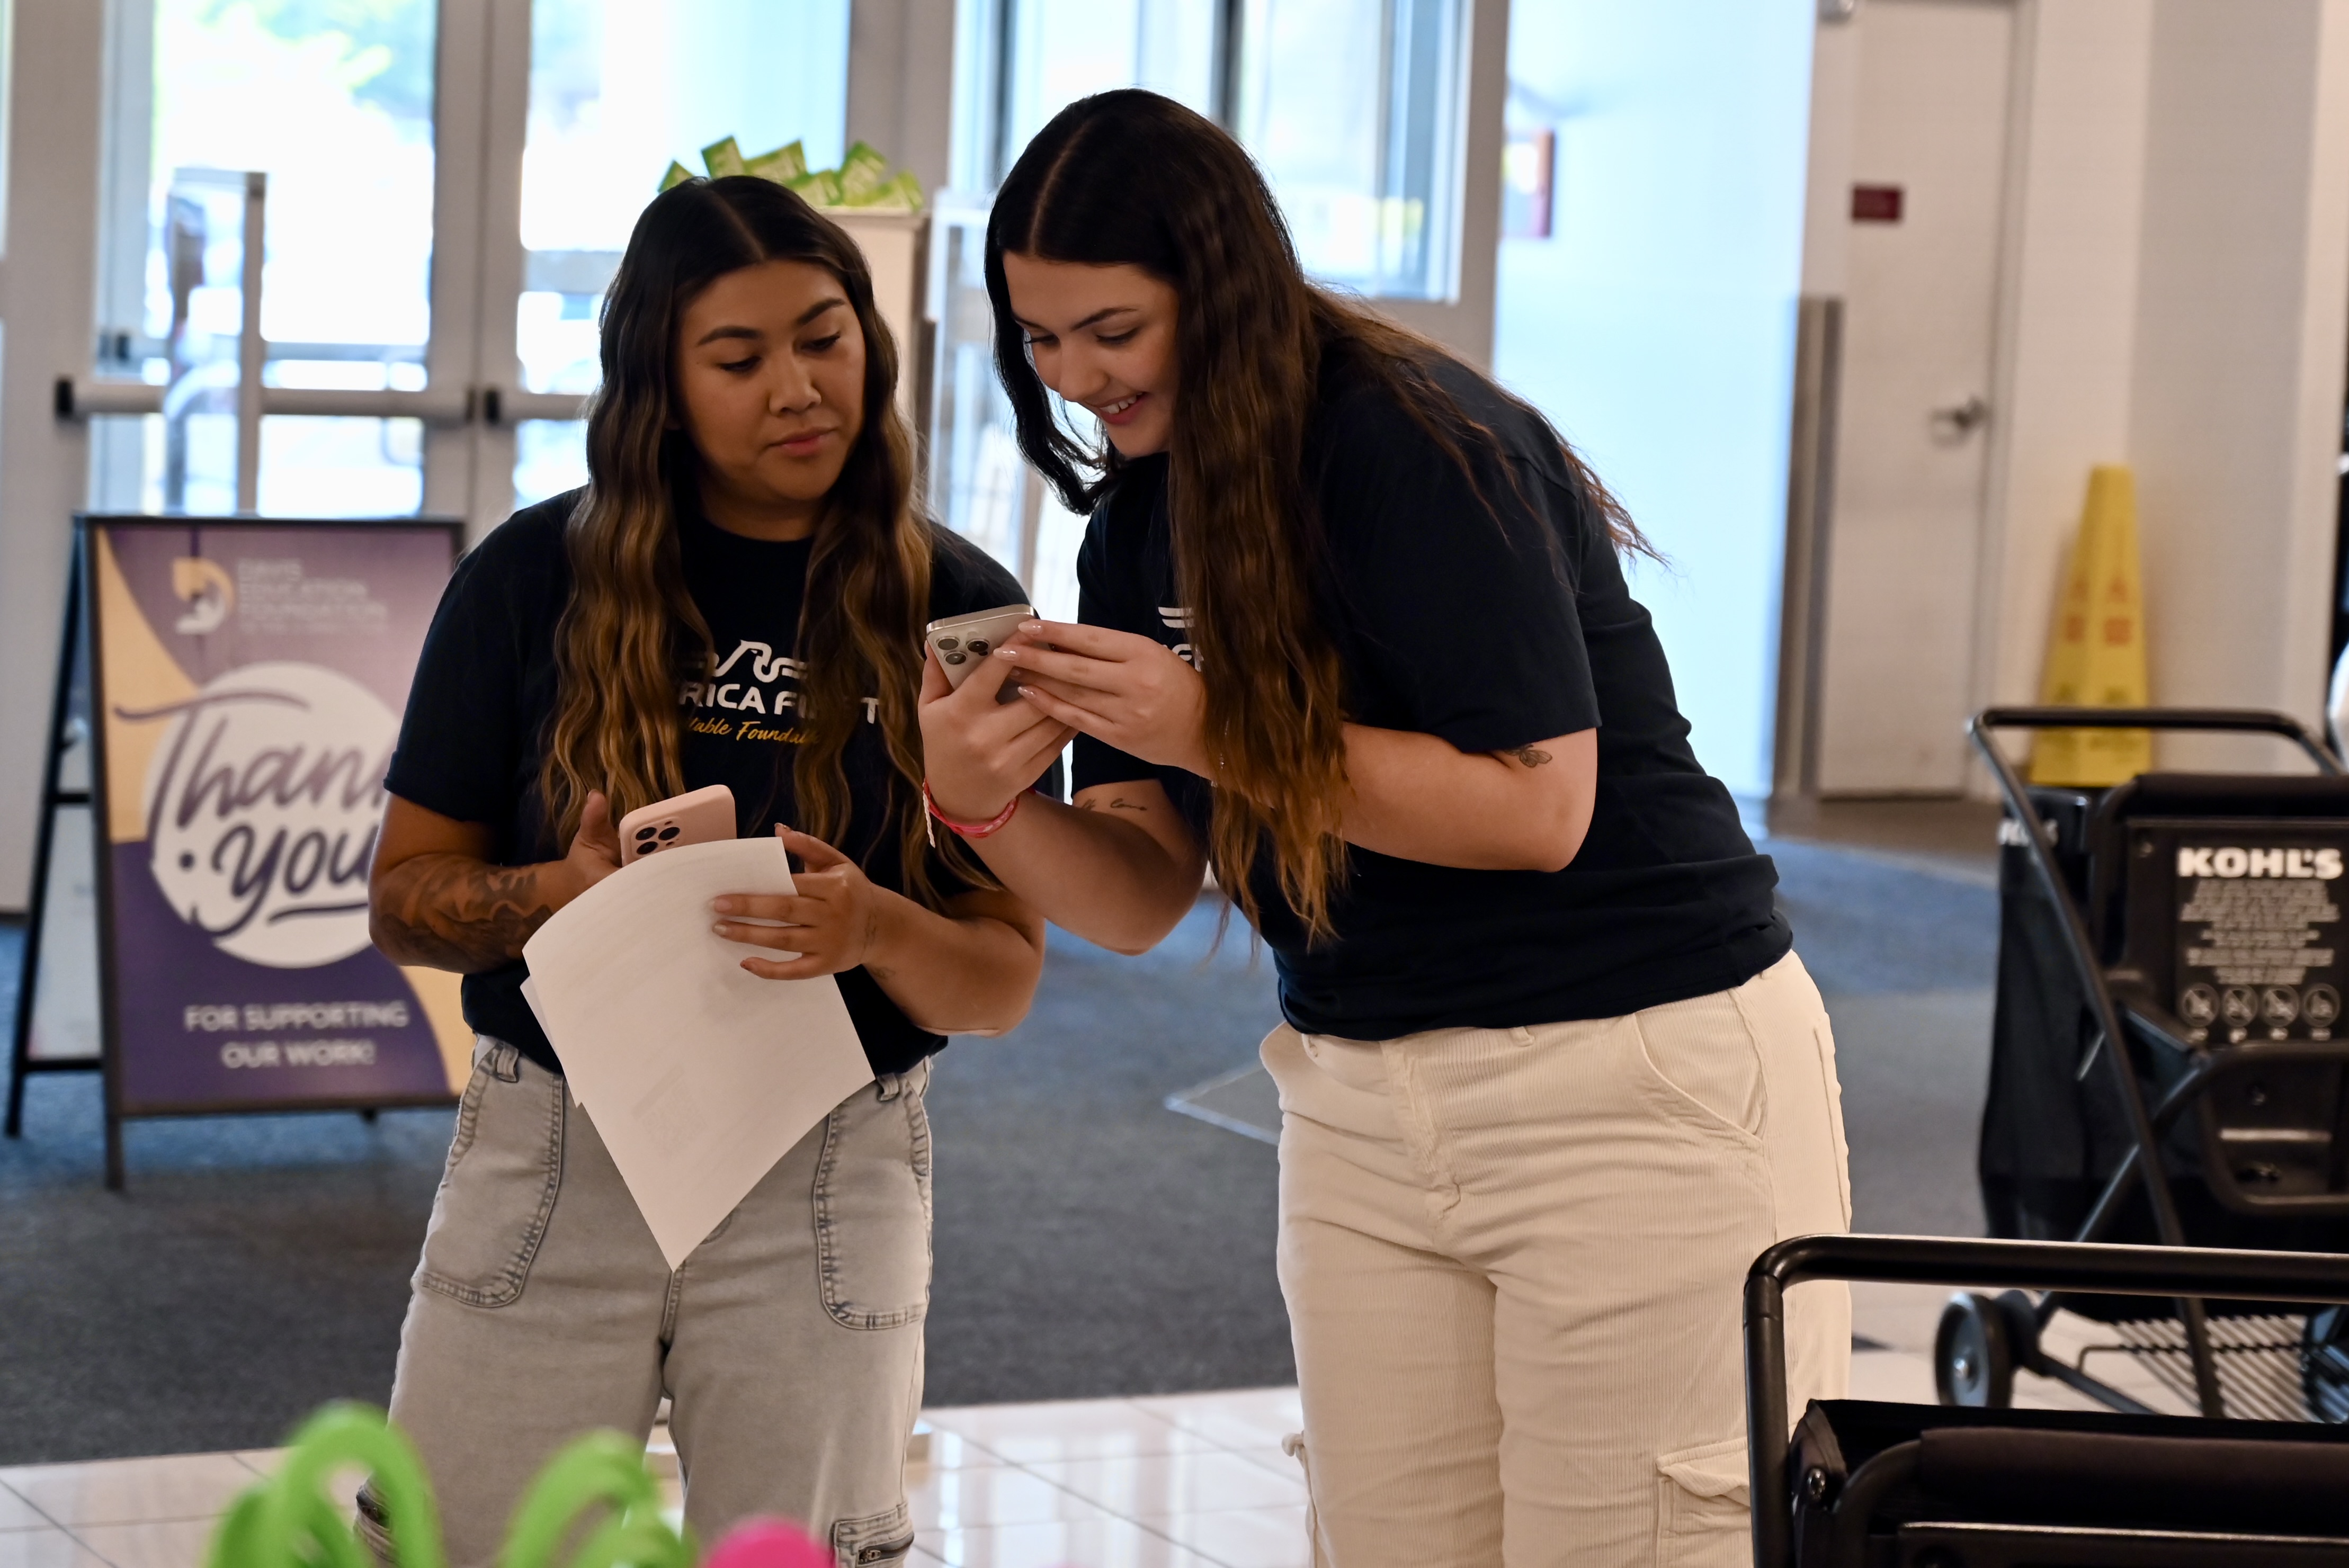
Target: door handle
{"points": [[86, 398], [1955, 421]]}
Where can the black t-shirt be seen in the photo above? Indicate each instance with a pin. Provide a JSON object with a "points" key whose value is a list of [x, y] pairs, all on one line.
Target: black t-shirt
{"points": [[1491, 636], [478, 713]]}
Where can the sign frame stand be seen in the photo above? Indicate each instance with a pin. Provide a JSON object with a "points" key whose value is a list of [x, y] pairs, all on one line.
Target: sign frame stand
{"points": [[59, 740], [81, 675]]}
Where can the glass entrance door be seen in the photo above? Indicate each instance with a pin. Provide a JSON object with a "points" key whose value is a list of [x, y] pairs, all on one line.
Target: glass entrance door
{"points": [[396, 244], [332, 106]]}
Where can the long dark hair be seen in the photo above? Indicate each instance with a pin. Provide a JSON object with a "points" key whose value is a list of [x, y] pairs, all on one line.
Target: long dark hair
{"points": [[619, 653], [1131, 177]]}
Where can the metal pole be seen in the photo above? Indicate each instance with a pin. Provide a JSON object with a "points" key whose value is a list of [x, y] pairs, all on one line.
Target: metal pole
{"points": [[249, 346], [28, 972], [1768, 1500]]}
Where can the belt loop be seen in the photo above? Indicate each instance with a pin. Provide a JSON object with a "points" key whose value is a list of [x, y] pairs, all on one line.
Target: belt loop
{"points": [[1521, 1034], [503, 1059], [891, 1086]]}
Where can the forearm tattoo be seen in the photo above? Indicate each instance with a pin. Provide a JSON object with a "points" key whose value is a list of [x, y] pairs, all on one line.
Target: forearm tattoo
{"points": [[1119, 804], [1531, 755], [452, 912]]}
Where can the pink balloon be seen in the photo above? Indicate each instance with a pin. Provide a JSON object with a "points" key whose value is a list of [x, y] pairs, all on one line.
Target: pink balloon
{"points": [[768, 1544]]}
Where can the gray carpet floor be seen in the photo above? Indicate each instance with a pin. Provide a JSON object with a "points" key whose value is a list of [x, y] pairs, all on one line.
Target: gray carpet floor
{"points": [[1089, 1240]]}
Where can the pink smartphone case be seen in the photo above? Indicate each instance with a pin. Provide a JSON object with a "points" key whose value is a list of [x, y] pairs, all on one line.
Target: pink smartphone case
{"points": [[697, 817]]}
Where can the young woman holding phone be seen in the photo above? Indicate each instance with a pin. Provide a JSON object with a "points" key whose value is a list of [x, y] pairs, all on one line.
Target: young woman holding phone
{"points": [[737, 597], [1356, 636]]}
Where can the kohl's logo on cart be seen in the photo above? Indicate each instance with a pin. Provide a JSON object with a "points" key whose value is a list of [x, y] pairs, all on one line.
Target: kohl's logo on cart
{"points": [[263, 803], [2230, 861]]}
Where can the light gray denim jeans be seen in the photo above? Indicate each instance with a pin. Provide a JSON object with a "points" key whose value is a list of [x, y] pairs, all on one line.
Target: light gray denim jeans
{"points": [[790, 1344]]}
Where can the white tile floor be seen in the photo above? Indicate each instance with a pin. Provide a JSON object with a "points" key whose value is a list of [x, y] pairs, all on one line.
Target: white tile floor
{"points": [[1186, 1480], [1192, 1480]]}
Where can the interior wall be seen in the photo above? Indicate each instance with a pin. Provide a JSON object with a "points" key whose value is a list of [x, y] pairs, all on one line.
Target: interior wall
{"points": [[47, 289], [1835, 111], [2068, 315], [1655, 327], [2175, 297], [2243, 288]]}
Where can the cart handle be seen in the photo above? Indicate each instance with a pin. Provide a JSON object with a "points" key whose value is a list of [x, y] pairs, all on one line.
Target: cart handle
{"points": [[2093, 1268], [2233, 721]]}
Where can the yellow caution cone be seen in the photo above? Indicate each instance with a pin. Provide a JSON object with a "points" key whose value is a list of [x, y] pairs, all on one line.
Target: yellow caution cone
{"points": [[2095, 655]]}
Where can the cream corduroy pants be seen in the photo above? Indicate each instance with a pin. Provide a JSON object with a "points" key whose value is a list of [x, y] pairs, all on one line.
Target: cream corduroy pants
{"points": [[1513, 1263]]}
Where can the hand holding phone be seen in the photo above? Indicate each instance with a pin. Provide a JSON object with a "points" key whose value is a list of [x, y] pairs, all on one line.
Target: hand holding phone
{"points": [[703, 816], [960, 641]]}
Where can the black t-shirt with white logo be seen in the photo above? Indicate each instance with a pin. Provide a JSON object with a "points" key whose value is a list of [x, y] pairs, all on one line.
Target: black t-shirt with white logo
{"points": [[473, 740], [1490, 637]]}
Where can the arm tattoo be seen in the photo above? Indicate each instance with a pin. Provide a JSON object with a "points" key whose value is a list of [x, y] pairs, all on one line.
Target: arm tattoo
{"points": [[1531, 755], [452, 912], [1119, 804]]}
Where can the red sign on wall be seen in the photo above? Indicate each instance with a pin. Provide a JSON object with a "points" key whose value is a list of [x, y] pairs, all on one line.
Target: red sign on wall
{"points": [[1875, 203]]}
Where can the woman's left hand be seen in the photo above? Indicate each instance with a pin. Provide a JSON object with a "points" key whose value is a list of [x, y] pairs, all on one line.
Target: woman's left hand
{"points": [[1127, 691], [837, 918]]}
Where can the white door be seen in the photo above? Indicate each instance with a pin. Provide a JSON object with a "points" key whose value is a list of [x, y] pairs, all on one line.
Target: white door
{"points": [[1929, 152]]}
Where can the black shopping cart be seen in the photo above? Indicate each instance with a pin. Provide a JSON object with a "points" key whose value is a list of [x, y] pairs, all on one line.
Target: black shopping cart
{"points": [[2170, 1065], [1870, 1485]]}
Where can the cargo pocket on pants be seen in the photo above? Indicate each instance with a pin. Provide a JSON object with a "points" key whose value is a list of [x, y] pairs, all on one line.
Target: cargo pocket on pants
{"points": [[1701, 1519], [505, 1166], [1293, 1445], [873, 1542]]}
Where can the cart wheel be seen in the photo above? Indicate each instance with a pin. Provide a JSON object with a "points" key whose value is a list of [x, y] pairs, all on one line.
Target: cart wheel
{"points": [[1973, 1364], [2022, 1315], [2325, 1364]]}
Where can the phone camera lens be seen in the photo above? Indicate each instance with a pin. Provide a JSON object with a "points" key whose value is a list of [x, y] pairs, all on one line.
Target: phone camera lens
{"points": [[978, 647], [669, 832], [956, 659], [644, 833], [948, 645], [647, 848]]}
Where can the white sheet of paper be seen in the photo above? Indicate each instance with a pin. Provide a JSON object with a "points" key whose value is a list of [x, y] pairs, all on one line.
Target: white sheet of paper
{"points": [[698, 1073]]}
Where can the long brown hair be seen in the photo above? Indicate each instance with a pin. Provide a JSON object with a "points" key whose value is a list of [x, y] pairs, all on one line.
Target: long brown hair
{"points": [[631, 633], [1131, 177]]}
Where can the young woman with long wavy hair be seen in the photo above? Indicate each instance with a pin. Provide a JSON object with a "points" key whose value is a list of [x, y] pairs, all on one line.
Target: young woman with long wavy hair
{"points": [[737, 597], [1355, 634]]}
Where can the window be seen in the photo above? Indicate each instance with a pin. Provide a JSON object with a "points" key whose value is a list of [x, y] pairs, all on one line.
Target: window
{"points": [[618, 90], [333, 104], [1352, 108], [1055, 52]]}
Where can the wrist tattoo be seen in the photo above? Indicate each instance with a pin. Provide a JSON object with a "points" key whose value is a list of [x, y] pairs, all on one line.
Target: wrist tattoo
{"points": [[452, 912], [1531, 755]]}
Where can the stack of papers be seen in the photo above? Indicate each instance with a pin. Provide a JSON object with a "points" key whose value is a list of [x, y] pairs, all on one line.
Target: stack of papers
{"points": [[698, 1073]]}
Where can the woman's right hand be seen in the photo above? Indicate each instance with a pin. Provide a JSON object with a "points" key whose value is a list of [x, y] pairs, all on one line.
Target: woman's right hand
{"points": [[595, 851], [978, 753]]}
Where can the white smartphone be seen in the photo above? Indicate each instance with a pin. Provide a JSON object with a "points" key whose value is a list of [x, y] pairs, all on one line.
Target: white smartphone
{"points": [[962, 641], [697, 817]]}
